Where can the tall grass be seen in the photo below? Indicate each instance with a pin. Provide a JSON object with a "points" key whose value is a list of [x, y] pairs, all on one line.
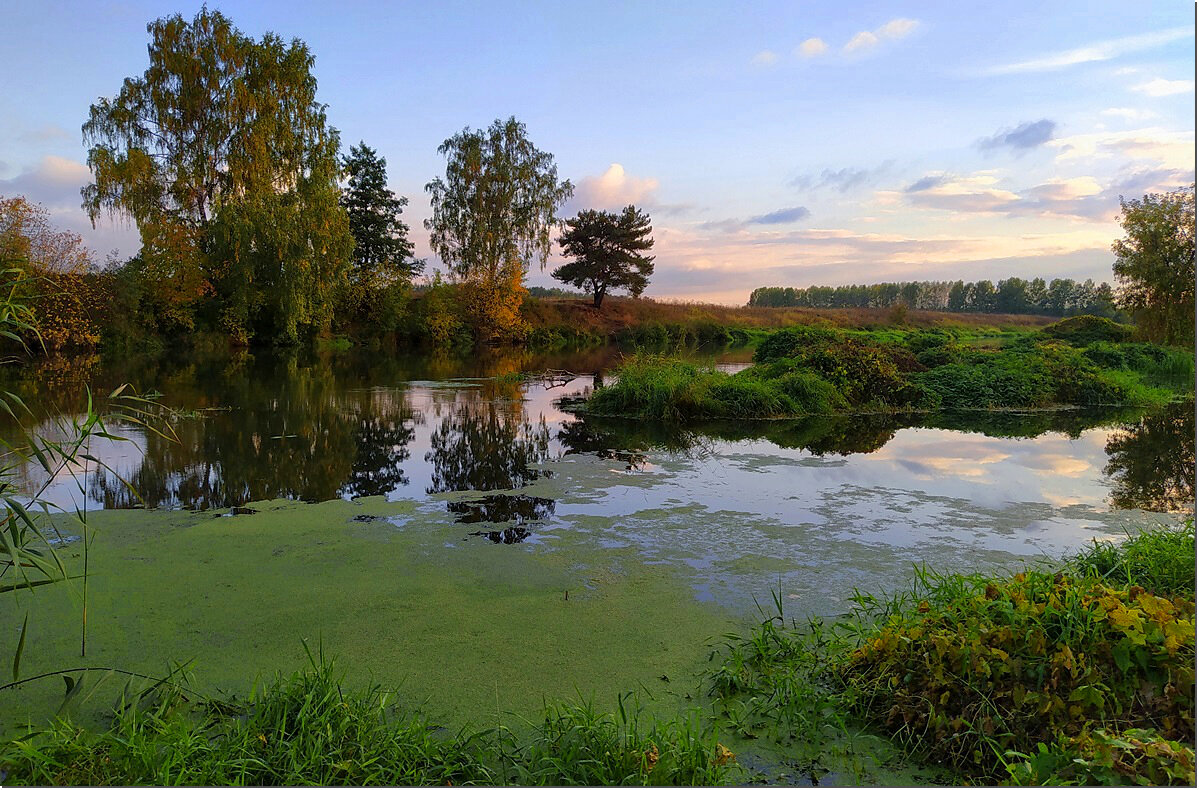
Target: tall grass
{"points": [[306, 729]]}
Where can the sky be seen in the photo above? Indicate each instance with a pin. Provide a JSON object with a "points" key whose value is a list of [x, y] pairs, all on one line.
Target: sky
{"points": [[772, 143]]}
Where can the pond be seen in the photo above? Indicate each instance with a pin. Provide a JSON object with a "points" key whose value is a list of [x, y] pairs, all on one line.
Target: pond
{"points": [[479, 539]]}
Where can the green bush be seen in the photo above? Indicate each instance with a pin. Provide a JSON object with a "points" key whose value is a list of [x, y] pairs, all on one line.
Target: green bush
{"points": [[1083, 329], [1099, 758]]}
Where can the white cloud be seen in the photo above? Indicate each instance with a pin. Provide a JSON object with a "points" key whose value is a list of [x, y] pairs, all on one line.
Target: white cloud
{"points": [[613, 189], [1163, 148], [811, 48], [898, 28], [1128, 113], [764, 58], [1160, 87], [1102, 50], [894, 30], [862, 40]]}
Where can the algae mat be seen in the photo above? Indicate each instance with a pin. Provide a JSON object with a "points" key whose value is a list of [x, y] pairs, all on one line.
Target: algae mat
{"points": [[465, 629]]}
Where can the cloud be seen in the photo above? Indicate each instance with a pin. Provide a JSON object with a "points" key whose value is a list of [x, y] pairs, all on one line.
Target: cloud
{"points": [[613, 189], [1081, 198], [1162, 148], [782, 216], [894, 30], [862, 40], [1160, 87], [764, 58], [55, 183], [1099, 51], [1025, 136], [842, 180], [811, 48], [927, 182], [1128, 113]]}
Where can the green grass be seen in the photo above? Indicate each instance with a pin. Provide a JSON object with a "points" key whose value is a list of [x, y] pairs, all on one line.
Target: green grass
{"points": [[812, 370], [307, 729]]}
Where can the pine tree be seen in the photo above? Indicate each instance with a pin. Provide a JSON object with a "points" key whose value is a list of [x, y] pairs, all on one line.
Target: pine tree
{"points": [[381, 245], [607, 250]]}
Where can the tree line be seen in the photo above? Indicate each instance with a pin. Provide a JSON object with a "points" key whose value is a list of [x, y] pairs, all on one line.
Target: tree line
{"points": [[1058, 297]]}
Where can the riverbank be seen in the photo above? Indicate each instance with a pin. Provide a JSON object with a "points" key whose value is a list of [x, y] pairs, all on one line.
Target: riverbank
{"points": [[1079, 674], [803, 371]]}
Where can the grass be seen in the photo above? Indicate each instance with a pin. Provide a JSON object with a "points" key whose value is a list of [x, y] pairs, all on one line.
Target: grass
{"points": [[307, 729], [1081, 676], [810, 370]]}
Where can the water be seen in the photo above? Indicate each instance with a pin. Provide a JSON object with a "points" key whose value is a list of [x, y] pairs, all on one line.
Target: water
{"points": [[815, 508]]}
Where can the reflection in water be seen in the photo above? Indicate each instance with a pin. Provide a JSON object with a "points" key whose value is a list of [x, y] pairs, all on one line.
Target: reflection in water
{"points": [[318, 427], [499, 507], [487, 446], [507, 536], [1152, 462]]}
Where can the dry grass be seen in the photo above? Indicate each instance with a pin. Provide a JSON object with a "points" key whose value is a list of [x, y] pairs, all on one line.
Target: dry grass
{"points": [[619, 313]]}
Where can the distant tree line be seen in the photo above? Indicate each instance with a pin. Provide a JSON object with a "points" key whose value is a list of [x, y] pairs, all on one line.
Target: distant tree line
{"points": [[1058, 297]]}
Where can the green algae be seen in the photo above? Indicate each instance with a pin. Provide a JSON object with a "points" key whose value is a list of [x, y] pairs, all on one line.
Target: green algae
{"points": [[466, 632]]}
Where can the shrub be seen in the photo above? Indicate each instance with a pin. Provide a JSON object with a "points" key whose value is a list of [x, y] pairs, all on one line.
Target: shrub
{"points": [[1083, 329]]}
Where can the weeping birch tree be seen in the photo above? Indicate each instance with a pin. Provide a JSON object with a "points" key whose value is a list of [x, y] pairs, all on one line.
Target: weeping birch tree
{"points": [[221, 155], [493, 215]]}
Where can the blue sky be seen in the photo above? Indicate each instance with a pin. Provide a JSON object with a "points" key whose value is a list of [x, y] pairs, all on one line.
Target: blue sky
{"points": [[784, 143]]}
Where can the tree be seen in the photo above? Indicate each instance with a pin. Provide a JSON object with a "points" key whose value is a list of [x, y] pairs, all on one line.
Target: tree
{"points": [[381, 245], [607, 250], [1155, 264], [221, 155], [492, 216]]}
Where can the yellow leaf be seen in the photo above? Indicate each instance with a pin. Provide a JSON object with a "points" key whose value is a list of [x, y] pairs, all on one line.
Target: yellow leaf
{"points": [[724, 755]]}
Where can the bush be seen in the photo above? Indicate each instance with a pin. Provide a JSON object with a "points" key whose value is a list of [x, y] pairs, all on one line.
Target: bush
{"points": [[1080, 330], [1098, 758]]}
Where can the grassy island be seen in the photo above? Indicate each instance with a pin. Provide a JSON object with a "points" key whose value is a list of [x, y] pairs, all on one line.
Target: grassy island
{"points": [[809, 370]]}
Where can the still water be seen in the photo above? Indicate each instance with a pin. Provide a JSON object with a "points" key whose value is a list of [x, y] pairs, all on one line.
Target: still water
{"points": [[814, 508]]}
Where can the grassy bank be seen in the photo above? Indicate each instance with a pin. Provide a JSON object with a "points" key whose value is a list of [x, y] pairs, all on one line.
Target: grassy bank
{"points": [[818, 370], [1083, 674]]}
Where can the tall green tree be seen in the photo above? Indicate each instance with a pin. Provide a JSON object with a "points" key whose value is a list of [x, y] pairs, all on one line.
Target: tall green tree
{"points": [[608, 251], [493, 214], [381, 245], [222, 156], [1155, 264]]}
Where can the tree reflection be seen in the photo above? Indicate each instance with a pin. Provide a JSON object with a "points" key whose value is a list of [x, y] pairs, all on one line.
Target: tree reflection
{"points": [[293, 432], [1151, 462], [485, 446]]}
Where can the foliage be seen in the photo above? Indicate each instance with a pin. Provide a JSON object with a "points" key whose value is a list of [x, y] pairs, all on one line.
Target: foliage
{"points": [[381, 244], [1079, 677], [308, 729], [1084, 329], [1013, 295], [1101, 758], [221, 155], [492, 216], [1155, 265], [969, 667], [608, 251], [57, 276]]}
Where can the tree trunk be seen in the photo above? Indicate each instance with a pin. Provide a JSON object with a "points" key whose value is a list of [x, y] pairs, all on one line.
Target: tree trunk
{"points": [[597, 298]]}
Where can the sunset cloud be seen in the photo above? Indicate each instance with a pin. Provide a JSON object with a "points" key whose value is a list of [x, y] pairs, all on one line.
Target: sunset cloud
{"points": [[613, 189]]}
